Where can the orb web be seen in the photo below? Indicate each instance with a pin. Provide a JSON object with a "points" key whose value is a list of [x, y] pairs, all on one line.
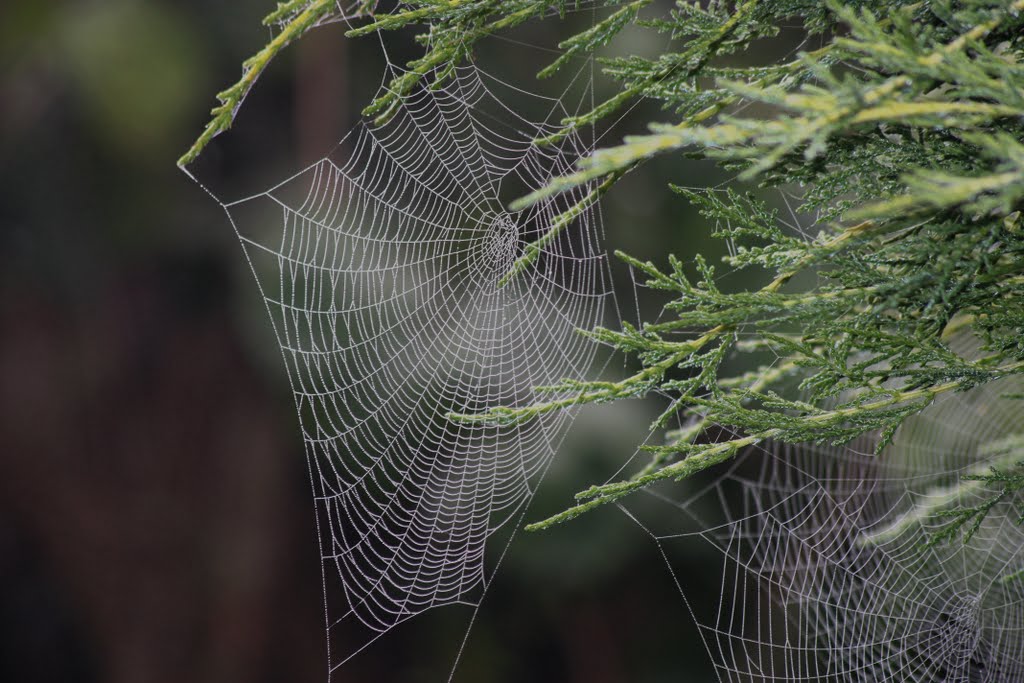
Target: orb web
{"points": [[826, 571], [381, 269]]}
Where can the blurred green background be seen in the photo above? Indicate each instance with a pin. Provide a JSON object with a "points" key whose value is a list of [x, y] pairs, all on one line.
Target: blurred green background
{"points": [[155, 521]]}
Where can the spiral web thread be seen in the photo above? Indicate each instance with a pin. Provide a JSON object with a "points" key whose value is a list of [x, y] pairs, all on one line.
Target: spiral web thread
{"points": [[824, 573], [379, 266]]}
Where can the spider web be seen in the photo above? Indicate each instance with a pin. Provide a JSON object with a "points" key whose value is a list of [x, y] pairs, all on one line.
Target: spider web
{"points": [[380, 267], [825, 574]]}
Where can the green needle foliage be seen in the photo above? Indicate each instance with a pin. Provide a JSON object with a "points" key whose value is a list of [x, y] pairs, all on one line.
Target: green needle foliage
{"points": [[968, 519], [904, 132], [1001, 484], [295, 18], [959, 510]]}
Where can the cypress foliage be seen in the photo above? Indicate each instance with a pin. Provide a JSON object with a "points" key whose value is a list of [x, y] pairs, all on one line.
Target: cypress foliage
{"points": [[905, 131]]}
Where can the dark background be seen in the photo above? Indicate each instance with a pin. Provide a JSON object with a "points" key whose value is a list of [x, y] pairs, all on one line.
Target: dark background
{"points": [[155, 521]]}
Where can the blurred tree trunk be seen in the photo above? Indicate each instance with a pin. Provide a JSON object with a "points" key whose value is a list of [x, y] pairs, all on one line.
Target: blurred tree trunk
{"points": [[142, 454]]}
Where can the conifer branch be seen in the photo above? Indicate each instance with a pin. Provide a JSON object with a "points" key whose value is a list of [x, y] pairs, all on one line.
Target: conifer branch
{"points": [[905, 130], [300, 16]]}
